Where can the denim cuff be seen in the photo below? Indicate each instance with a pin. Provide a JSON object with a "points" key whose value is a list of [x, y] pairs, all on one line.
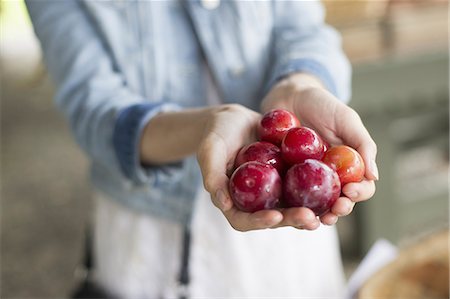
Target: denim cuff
{"points": [[128, 129], [307, 66]]}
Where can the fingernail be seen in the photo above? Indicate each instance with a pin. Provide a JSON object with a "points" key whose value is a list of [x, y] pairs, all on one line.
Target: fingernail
{"points": [[269, 221], [374, 169], [316, 225], [299, 224], [332, 222], [352, 194], [276, 219], [350, 208], [220, 199], [310, 217]]}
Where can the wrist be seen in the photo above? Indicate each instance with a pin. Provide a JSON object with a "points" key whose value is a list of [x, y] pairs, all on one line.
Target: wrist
{"points": [[288, 90], [171, 136], [301, 81]]}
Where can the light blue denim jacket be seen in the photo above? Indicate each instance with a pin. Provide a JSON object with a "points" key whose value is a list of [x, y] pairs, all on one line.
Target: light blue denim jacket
{"points": [[116, 64]]}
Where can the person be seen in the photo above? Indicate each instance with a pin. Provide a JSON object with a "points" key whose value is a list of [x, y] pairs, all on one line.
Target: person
{"points": [[161, 95]]}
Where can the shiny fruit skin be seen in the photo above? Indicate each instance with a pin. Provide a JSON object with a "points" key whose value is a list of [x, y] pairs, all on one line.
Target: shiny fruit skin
{"points": [[275, 124], [300, 144], [311, 184], [255, 186], [263, 152], [326, 146], [347, 162]]}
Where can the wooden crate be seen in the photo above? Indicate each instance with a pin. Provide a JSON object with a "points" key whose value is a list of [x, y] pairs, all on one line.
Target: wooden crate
{"points": [[417, 27], [345, 12], [420, 271]]}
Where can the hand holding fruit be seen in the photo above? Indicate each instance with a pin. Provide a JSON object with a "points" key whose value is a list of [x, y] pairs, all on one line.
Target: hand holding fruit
{"points": [[228, 129], [337, 124], [232, 126], [257, 184]]}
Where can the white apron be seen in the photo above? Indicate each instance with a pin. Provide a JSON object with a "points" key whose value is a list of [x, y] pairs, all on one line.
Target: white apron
{"points": [[138, 256]]}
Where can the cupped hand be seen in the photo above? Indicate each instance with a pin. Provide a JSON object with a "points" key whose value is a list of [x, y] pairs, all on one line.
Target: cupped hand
{"points": [[229, 128], [338, 124]]}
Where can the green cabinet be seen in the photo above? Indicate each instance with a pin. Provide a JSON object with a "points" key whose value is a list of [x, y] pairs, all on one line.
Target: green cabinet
{"points": [[404, 104]]}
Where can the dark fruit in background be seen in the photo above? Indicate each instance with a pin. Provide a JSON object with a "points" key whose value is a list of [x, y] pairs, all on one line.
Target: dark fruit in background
{"points": [[263, 152], [311, 184], [300, 144], [255, 186], [274, 125], [347, 162]]}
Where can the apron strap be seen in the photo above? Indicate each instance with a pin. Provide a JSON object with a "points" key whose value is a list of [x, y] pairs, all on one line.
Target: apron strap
{"points": [[184, 278]]}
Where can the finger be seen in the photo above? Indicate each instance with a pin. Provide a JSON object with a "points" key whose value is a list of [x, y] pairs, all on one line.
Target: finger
{"points": [[359, 191], [329, 218], [368, 152], [242, 221], [212, 159], [299, 217], [342, 207], [352, 131], [222, 200]]}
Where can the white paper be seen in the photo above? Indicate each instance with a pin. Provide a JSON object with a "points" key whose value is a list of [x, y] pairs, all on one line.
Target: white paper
{"points": [[381, 253]]}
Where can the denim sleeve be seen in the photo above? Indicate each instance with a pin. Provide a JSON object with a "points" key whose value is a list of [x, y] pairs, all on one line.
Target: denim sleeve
{"points": [[304, 43], [127, 135], [90, 90]]}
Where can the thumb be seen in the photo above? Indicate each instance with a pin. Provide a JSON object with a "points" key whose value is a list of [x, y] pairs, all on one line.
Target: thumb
{"points": [[351, 130]]}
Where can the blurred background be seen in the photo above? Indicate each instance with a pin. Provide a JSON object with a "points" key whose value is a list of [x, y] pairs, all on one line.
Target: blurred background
{"points": [[399, 51]]}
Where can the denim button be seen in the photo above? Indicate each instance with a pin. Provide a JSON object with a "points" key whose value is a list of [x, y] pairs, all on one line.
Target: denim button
{"points": [[238, 70], [210, 4]]}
